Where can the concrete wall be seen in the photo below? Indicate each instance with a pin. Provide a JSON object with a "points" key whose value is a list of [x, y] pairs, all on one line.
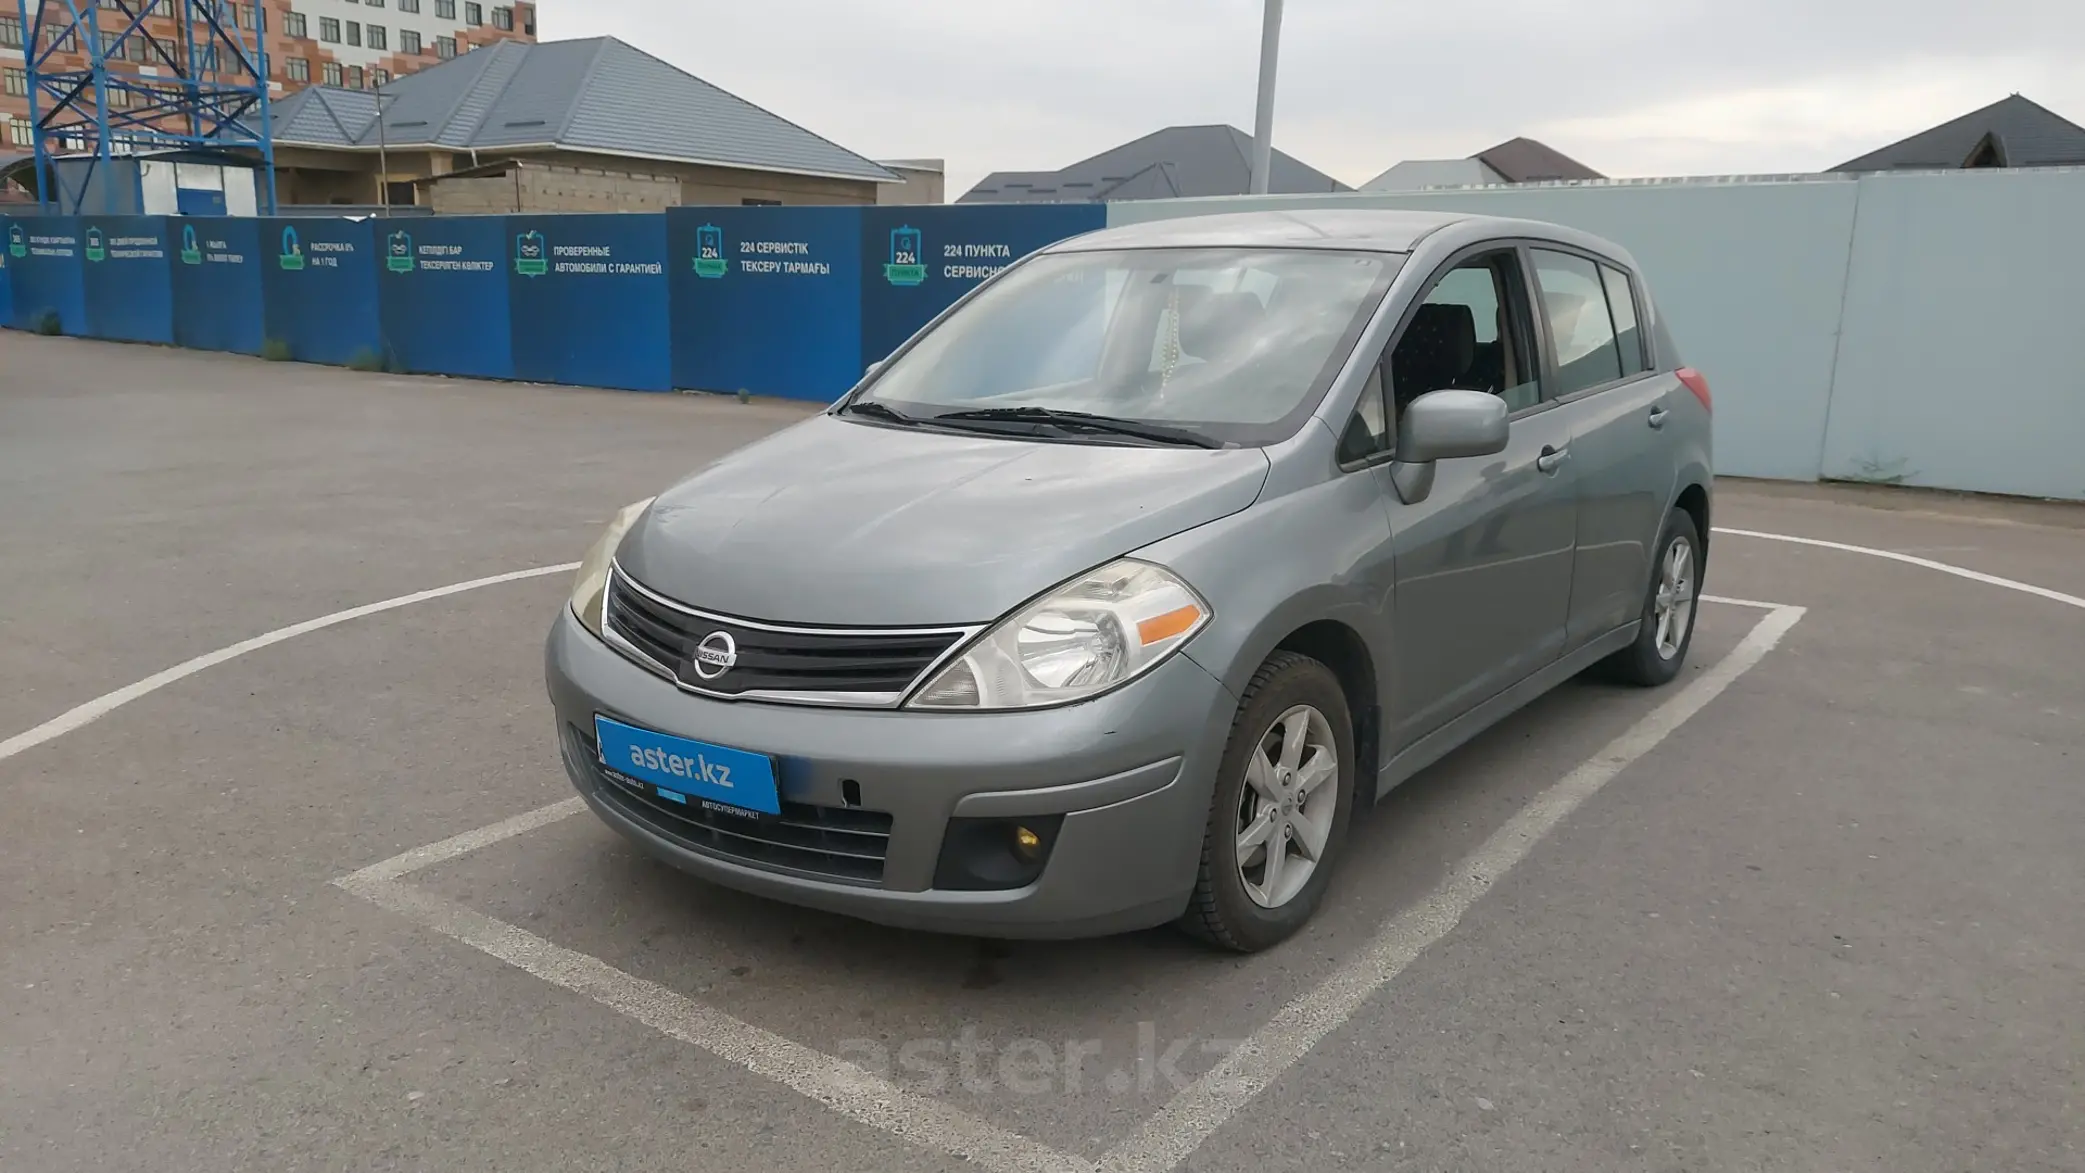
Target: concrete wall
{"points": [[725, 185], [1959, 366], [532, 187], [317, 176], [1897, 328]]}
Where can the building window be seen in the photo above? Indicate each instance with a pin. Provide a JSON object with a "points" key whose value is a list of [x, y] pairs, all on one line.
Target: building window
{"points": [[64, 42], [354, 77], [445, 47], [17, 83], [23, 134], [293, 25], [112, 46], [379, 78], [503, 19], [260, 19], [119, 99], [11, 32], [408, 5], [329, 30], [354, 34], [329, 73], [378, 38], [297, 69], [409, 40], [473, 13], [206, 57], [374, 3], [446, 9]]}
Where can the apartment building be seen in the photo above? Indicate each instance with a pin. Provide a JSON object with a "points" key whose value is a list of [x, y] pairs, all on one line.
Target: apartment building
{"points": [[357, 44]]}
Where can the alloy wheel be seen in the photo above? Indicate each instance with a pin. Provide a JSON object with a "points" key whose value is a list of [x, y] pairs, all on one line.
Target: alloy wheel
{"points": [[1286, 808], [1673, 606]]}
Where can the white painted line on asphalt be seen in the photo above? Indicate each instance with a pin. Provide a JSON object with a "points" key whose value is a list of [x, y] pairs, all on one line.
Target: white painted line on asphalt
{"points": [[841, 1086], [107, 703], [1165, 1140], [399, 867], [1730, 602], [2025, 588]]}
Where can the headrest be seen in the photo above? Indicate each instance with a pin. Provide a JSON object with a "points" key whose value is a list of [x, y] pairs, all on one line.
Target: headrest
{"points": [[1447, 335]]}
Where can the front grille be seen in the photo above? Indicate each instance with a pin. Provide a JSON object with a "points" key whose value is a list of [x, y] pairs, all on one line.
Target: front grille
{"points": [[822, 842], [866, 666]]}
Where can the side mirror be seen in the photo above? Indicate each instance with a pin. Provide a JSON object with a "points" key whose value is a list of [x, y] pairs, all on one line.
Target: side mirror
{"points": [[1444, 425], [872, 368]]}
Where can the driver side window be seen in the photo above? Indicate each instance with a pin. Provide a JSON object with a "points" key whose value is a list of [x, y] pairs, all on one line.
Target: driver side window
{"points": [[1471, 332]]}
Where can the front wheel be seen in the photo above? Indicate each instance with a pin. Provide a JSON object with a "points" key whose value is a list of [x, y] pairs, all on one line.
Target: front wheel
{"points": [[1668, 612], [1284, 795]]}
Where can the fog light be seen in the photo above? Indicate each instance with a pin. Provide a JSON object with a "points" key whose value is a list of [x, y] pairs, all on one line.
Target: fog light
{"points": [[986, 855]]}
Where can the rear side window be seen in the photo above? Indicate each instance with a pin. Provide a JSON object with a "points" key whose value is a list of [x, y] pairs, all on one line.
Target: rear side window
{"points": [[1581, 327], [1622, 302]]}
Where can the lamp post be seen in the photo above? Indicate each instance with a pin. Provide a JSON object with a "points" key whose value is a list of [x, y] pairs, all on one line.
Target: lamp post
{"points": [[383, 161], [1263, 122]]}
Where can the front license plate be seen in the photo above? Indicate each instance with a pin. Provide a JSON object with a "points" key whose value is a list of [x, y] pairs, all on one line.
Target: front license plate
{"points": [[690, 772]]}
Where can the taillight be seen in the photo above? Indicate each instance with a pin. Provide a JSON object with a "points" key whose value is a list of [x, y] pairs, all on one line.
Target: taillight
{"points": [[1697, 383]]}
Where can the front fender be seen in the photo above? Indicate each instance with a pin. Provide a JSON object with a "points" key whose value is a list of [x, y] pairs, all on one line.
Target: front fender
{"points": [[1318, 553]]}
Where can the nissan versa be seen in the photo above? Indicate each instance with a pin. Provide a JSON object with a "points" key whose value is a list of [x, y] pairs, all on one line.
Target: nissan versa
{"points": [[1109, 598]]}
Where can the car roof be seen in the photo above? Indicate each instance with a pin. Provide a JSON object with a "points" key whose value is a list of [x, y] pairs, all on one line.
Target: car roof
{"points": [[1367, 229], [1347, 229]]}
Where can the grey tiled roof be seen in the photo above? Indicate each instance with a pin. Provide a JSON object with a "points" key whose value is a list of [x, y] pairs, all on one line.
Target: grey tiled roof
{"points": [[599, 95], [1524, 160], [2024, 133], [1176, 161], [322, 117]]}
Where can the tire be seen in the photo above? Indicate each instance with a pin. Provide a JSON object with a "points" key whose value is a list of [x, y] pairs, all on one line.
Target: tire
{"points": [[1652, 661], [1228, 909]]}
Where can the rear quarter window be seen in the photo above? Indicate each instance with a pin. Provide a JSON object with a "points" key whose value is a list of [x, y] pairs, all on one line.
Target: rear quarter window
{"points": [[1621, 300]]}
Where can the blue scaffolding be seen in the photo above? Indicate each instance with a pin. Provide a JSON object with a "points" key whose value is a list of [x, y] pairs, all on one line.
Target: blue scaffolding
{"points": [[208, 95]]}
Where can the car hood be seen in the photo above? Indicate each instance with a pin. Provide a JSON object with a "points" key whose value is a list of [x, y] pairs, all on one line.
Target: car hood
{"points": [[836, 522]]}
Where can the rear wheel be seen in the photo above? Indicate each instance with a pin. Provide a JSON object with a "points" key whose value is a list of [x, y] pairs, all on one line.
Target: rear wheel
{"points": [[1284, 795], [1668, 612]]}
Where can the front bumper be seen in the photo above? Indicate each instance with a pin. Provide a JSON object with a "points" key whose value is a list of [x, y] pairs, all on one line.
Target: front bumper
{"points": [[1131, 772]]}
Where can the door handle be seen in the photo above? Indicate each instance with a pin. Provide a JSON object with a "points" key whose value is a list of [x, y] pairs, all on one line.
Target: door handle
{"points": [[1551, 459], [1658, 415]]}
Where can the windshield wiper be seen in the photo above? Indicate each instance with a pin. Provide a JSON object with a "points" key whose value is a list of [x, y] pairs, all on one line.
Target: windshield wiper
{"points": [[1082, 421], [879, 411]]}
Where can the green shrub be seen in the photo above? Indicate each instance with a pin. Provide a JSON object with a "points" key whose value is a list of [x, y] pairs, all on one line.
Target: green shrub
{"points": [[47, 323], [275, 350], [366, 359]]}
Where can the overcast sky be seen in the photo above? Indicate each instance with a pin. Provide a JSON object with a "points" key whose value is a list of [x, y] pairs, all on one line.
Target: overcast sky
{"points": [[1628, 87]]}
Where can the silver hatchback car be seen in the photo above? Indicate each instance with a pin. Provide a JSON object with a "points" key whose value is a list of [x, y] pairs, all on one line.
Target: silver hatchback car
{"points": [[1111, 597]]}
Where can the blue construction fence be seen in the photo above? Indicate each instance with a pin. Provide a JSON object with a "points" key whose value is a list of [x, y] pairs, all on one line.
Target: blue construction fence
{"points": [[774, 301]]}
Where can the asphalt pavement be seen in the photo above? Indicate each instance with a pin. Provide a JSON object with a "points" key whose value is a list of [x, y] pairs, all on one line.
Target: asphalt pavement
{"points": [[1812, 907]]}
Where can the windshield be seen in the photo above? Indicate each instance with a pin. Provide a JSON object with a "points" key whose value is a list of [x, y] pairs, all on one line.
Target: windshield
{"points": [[1234, 344]]}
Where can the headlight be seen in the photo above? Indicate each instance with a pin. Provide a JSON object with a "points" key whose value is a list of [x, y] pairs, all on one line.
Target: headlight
{"points": [[1083, 638], [590, 589]]}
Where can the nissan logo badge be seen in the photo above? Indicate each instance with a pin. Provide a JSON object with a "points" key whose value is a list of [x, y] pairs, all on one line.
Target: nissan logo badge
{"points": [[715, 655]]}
